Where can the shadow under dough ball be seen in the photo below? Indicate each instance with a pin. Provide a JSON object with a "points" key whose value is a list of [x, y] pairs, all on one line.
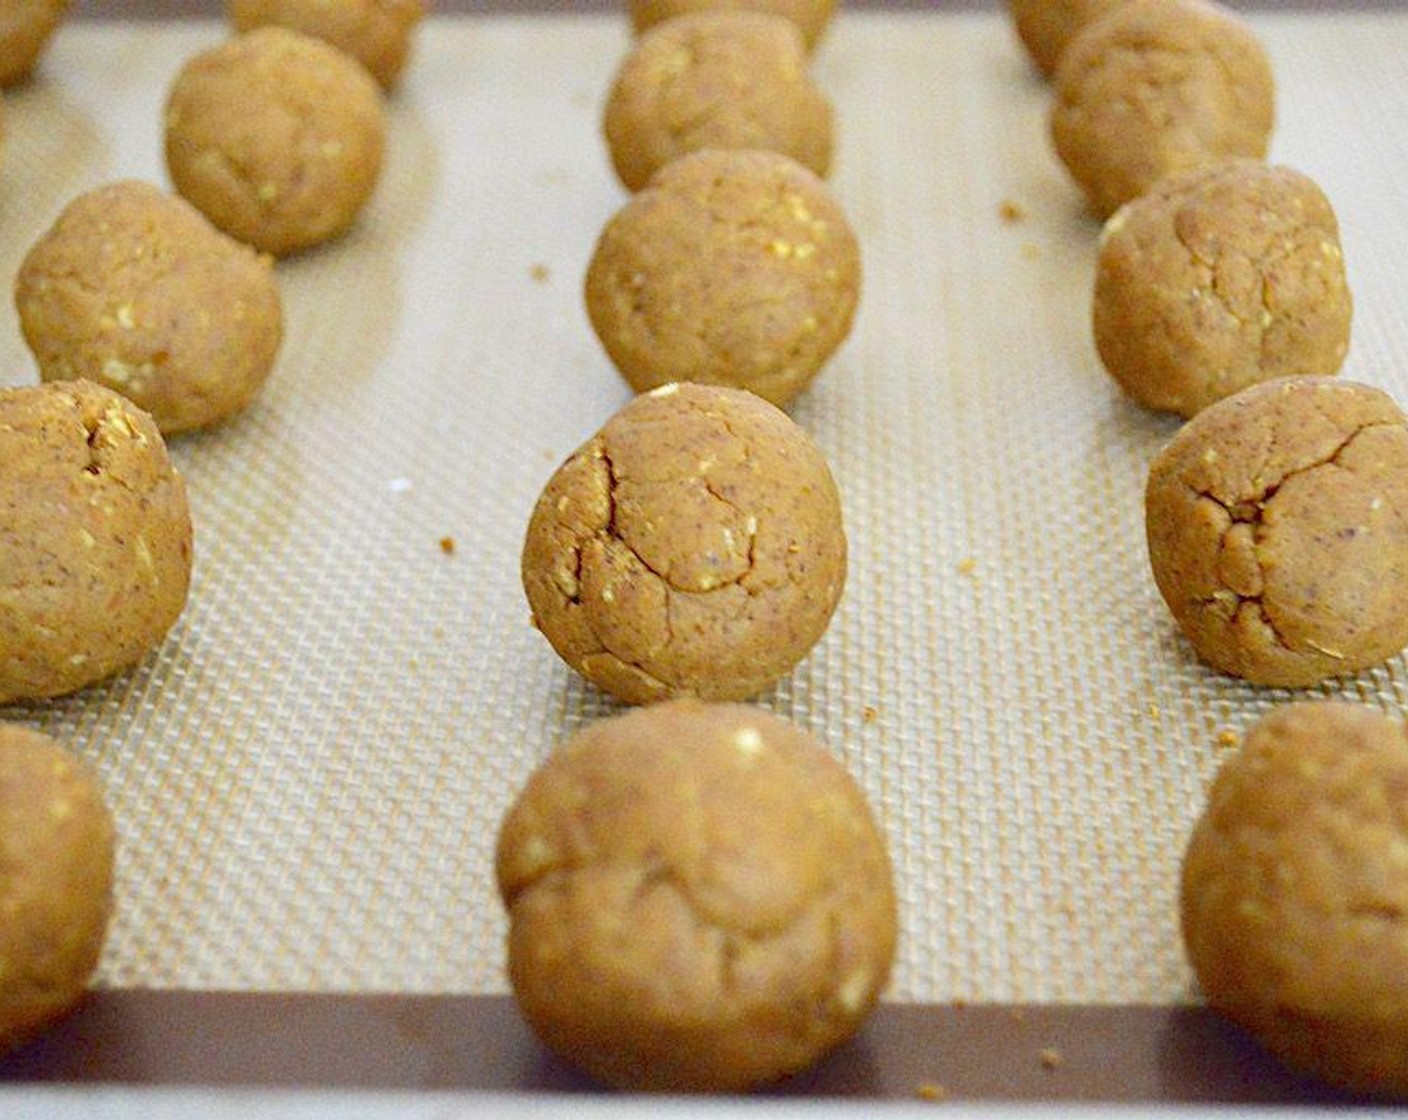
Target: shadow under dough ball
{"points": [[1219, 279], [1295, 891], [97, 543], [699, 899], [276, 137], [692, 547], [134, 289], [715, 80], [57, 837], [1045, 27], [377, 33], [810, 16], [730, 268], [1276, 531], [25, 29], [1155, 88]]}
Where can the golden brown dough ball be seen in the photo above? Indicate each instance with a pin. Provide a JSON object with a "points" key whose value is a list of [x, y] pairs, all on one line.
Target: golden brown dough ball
{"points": [[377, 33], [276, 137], [134, 289], [1044, 27], [96, 547], [730, 268], [1155, 88], [692, 547], [715, 80], [1218, 279], [1295, 893], [1276, 531], [698, 898], [810, 16], [56, 839], [25, 29]]}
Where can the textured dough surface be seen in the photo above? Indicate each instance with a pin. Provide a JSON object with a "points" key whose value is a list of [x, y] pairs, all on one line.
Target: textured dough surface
{"points": [[25, 29], [693, 546], [56, 869], [1295, 893], [132, 288], [1277, 534], [1218, 279], [1044, 27], [810, 16], [377, 33], [699, 898]]}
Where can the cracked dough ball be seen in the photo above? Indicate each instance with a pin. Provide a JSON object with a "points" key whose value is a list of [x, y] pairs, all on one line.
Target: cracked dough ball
{"points": [[1295, 892], [1156, 88], [276, 137], [377, 33], [25, 29], [95, 538], [810, 16], [715, 80], [1276, 530], [692, 547], [730, 268], [134, 289], [1218, 279], [1046, 26], [56, 839], [698, 899]]}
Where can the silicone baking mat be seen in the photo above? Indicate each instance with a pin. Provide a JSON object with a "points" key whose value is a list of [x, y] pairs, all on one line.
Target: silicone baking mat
{"points": [[309, 774]]}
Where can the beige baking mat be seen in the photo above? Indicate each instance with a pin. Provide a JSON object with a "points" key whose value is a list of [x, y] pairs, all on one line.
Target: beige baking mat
{"points": [[309, 775]]}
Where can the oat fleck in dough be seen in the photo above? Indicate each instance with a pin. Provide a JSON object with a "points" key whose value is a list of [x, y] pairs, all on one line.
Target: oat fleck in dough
{"points": [[95, 538], [1155, 88], [377, 33], [810, 16], [699, 899], [276, 137], [25, 29], [715, 80], [693, 546], [134, 289], [1218, 279], [1276, 530], [1295, 892], [1044, 27], [57, 838], [730, 268]]}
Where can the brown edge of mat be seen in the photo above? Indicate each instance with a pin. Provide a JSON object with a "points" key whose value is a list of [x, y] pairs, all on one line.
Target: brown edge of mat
{"points": [[1113, 1054]]}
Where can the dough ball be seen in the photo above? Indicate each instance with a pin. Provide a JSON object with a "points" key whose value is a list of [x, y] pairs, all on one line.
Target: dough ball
{"points": [[692, 547], [810, 16], [698, 899], [56, 835], [715, 80], [1046, 26], [729, 268], [1276, 530], [25, 28], [1155, 88], [96, 538], [377, 33], [276, 137], [1218, 279], [1295, 893], [134, 289]]}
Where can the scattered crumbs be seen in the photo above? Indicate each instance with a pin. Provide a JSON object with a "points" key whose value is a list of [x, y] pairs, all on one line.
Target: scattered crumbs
{"points": [[1154, 712], [1010, 211], [959, 1004], [868, 714], [581, 98], [1228, 738], [554, 176], [1050, 1058], [967, 566], [550, 455], [447, 545], [415, 664], [1031, 250], [438, 633], [930, 1091], [539, 273], [398, 485]]}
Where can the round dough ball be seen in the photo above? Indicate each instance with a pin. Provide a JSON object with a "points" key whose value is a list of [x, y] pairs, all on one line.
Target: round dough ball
{"points": [[1276, 530], [692, 547], [1046, 26], [715, 80], [276, 137], [96, 547], [810, 16], [1155, 88], [698, 899], [57, 839], [377, 33], [730, 268], [134, 289], [1295, 891], [25, 28], [1218, 279]]}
